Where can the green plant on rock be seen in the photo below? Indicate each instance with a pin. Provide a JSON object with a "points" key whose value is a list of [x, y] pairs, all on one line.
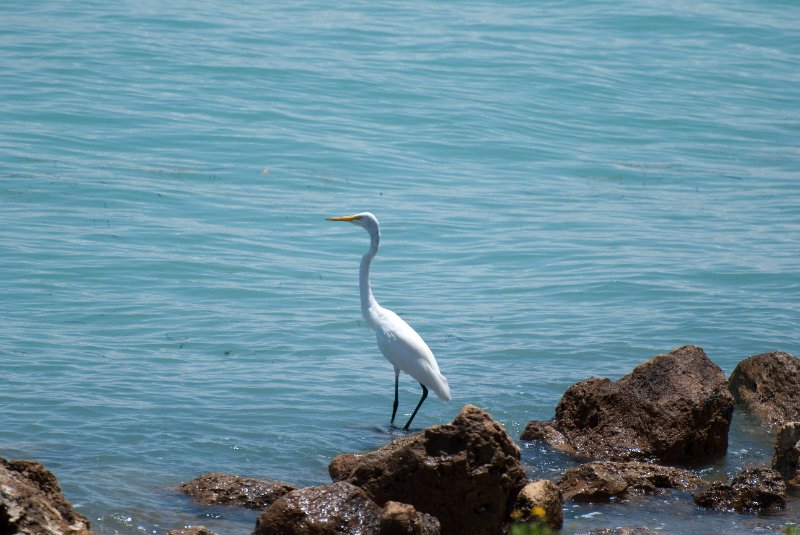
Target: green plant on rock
{"points": [[534, 528], [792, 529]]}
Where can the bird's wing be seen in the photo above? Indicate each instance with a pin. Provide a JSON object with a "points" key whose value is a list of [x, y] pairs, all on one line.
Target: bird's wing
{"points": [[405, 349]]}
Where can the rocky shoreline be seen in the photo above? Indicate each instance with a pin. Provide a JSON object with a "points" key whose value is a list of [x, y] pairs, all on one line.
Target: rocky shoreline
{"points": [[649, 431]]}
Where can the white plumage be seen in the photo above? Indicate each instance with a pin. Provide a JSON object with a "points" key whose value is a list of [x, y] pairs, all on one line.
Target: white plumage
{"points": [[399, 343]]}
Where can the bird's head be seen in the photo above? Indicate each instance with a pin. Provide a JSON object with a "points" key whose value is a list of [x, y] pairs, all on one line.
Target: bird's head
{"points": [[364, 220]]}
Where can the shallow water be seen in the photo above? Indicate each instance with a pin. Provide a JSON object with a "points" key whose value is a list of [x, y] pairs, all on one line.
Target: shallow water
{"points": [[565, 190]]}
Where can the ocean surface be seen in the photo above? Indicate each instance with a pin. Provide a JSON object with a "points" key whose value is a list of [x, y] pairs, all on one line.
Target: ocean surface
{"points": [[566, 189]]}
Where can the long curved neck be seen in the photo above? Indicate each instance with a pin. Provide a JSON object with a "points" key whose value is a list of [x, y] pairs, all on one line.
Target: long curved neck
{"points": [[369, 306]]}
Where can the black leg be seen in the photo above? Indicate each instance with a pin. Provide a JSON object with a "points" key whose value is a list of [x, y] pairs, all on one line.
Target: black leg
{"points": [[424, 395], [394, 408]]}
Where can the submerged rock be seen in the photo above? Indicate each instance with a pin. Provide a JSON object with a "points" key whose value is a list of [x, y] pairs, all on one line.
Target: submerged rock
{"points": [[674, 408], [755, 490], [541, 502], [621, 531], [191, 530], [603, 480], [216, 488], [786, 460], [769, 386], [466, 473], [403, 519], [31, 502], [331, 509]]}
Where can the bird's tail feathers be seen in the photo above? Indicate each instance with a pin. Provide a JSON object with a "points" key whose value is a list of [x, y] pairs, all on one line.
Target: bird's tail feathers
{"points": [[441, 388]]}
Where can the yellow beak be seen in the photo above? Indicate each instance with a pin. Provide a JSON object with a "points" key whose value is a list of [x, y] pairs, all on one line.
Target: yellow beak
{"points": [[344, 218]]}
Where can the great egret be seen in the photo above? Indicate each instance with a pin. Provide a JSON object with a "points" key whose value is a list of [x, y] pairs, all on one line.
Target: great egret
{"points": [[399, 343]]}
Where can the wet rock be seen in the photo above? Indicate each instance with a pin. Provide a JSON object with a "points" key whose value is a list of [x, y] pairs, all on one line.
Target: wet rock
{"points": [[787, 454], [216, 488], [673, 408], [323, 510], [755, 490], [342, 466], [539, 501], [769, 386], [466, 473], [603, 480], [546, 432], [403, 519], [31, 502], [191, 530], [622, 531]]}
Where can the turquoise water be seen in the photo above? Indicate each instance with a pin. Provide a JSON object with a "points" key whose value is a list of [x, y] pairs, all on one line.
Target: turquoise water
{"points": [[565, 190]]}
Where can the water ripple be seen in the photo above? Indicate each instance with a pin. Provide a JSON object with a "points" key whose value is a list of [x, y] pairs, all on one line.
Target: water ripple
{"points": [[565, 190]]}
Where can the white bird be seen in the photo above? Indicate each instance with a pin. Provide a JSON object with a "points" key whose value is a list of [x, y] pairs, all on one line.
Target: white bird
{"points": [[399, 343]]}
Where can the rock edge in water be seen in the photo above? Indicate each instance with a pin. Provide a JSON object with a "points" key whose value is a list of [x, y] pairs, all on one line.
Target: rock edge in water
{"points": [[466, 473], [191, 530], [786, 460], [341, 508], [217, 488], [754, 490], [673, 408], [336, 508], [31, 502], [769, 386], [603, 480]]}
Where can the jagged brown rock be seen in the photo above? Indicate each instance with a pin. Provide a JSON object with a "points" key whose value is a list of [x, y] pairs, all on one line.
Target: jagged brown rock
{"points": [[755, 490], [216, 488], [331, 509], [342, 466], [539, 501], [769, 386], [403, 519], [786, 460], [673, 408], [603, 480], [31, 502], [466, 473]]}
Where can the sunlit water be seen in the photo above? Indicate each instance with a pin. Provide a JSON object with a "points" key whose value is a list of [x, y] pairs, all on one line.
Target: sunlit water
{"points": [[566, 189]]}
